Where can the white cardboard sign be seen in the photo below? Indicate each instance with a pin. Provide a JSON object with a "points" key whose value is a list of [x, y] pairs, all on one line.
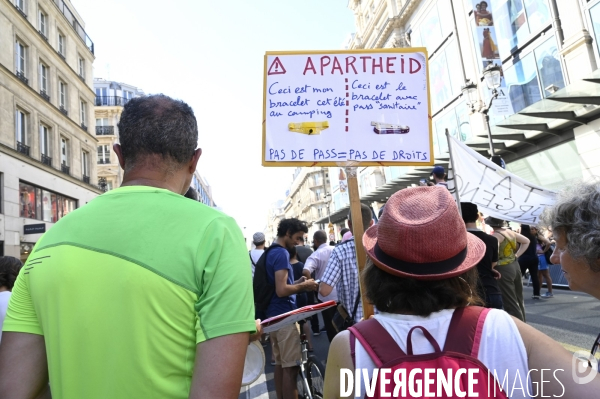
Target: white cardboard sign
{"points": [[496, 191], [328, 108]]}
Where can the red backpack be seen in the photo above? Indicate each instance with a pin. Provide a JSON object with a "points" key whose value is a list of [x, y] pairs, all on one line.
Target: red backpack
{"points": [[452, 372]]}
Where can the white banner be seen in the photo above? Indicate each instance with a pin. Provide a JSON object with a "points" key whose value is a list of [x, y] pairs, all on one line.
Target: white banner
{"points": [[496, 191]]}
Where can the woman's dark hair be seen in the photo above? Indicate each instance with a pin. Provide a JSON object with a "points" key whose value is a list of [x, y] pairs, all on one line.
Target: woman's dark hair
{"points": [[9, 270], [526, 232], [292, 251], [291, 226], [401, 295]]}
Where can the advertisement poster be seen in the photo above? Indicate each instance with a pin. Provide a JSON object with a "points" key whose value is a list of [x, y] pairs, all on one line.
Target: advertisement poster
{"points": [[366, 107]]}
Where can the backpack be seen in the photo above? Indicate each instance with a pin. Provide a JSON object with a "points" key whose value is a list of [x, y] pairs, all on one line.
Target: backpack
{"points": [[459, 353], [263, 290]]}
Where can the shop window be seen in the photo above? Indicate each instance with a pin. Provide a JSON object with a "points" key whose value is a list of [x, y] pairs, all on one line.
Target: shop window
{"points": [[548, 64], [40, 204], [522, 83]]}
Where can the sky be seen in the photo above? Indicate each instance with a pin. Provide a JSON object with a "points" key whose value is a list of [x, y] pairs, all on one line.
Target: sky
{"points": [[210, 55]]}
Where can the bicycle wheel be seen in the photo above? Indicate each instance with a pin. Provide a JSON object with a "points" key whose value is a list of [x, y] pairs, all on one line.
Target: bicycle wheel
{"points": [[315, 374]]}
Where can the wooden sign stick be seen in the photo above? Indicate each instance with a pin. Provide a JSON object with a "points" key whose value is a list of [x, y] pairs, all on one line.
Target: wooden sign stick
{"points": [[358, 231]]}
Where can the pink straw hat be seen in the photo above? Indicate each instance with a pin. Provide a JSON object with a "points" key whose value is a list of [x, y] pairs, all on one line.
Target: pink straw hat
{"points": [[422, 236]]}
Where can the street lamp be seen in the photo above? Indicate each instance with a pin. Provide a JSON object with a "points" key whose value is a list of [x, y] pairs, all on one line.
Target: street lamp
{"points": [[492, 76]]}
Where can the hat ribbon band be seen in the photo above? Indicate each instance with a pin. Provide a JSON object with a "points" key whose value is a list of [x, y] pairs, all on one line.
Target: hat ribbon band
{"points": [[421, 269]]}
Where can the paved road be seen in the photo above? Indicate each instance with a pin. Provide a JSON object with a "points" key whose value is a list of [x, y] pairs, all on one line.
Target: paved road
{"points": [[571, 318]]}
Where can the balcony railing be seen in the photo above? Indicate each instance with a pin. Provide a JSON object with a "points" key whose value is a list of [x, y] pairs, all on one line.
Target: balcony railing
{"points": [[75, 24], [63, 110], [21, 11], [81, 77], [86, 179], [21, 76], [45, 95], [43, 35], [46, 160], [105, 130], [64, 168], [105, 161], [84, 127], [111, 101], [22, 148]]}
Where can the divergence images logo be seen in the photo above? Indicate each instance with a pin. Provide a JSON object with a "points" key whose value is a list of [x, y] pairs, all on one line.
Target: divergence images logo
{"points": [[581, 370]]}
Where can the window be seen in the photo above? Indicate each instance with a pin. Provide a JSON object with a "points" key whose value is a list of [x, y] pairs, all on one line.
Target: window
{"points": [[81, 64], [516, 21], [64, 151], [85, 164], [103, 154], [21, 127], [101, 96], [101, 121], [44, 140], [548, 63], [127, 95], [21, 60], [43, 21], [43, 78], [62, 94], [20, 4], [456, 120], [61, 44], [38, 203], [82, 112]]}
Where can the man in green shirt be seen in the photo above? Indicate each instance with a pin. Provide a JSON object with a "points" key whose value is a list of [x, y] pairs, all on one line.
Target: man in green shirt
{"points": [[141, 293]]}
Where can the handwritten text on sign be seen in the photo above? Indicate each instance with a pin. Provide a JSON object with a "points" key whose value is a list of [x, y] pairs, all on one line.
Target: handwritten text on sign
{"points": [[368, 107]]}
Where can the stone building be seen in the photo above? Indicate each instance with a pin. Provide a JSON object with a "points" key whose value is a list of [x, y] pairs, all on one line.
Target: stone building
{"points": [[46, 102]]}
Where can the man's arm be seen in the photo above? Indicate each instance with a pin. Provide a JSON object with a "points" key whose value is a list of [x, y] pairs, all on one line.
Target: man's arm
{"points": [[219, 367], [331, 276], [23, 366], [282, 288], [325, 289]]}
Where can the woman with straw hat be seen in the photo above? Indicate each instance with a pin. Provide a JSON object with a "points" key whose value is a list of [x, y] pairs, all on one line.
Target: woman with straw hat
{"points": [[418, 280]]}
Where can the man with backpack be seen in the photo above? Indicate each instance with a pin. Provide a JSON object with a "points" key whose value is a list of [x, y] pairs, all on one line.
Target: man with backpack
{"points": [[275, 292]]}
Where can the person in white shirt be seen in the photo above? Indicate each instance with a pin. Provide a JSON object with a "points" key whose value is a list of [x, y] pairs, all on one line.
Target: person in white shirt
{"points": [[317, 263], [9, 270], [258, 239]]}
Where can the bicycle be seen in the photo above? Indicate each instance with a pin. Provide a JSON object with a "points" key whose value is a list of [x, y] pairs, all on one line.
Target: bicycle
{"points": [[311, 374]]}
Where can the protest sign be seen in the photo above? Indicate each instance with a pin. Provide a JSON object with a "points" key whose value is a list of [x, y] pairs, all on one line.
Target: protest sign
{"points": [[285, 319], [359, 107], [496, 191]]}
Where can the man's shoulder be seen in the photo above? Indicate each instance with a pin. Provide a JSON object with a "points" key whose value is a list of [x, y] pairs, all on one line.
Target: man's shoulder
{"points": [[344, 247]]}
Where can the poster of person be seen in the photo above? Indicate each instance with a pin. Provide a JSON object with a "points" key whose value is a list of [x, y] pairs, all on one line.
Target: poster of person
{"points": [[487, 43], [483, 13]]}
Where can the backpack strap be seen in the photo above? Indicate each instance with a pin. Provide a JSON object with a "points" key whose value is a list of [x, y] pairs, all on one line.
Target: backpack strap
{"points": [[466, 328], [428, 336], [251, 260], [378, 343]]}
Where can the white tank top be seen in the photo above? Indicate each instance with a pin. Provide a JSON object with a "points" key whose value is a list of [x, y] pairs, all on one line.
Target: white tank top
{"points": [[501, 350]]}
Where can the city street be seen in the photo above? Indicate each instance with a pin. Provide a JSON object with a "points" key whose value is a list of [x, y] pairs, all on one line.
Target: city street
{"points": [[571, 318]]}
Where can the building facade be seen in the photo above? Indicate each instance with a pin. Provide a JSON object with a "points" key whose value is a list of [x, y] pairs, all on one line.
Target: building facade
{"points": [[544, 122], [46, 100], [204, 190], [110, 99]]}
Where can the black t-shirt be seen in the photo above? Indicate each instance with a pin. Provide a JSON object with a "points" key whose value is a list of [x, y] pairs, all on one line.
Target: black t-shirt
{"points": [[488, 284]]}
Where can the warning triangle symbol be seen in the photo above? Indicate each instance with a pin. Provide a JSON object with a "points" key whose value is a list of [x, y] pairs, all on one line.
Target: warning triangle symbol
{"points": [[276, 68]]}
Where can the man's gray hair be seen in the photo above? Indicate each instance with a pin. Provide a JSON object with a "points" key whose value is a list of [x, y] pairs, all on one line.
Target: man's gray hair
{"points": [[577, 215]]}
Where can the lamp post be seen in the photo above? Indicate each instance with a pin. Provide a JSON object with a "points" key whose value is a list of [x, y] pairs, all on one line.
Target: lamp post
{"points": [[492, 76]]}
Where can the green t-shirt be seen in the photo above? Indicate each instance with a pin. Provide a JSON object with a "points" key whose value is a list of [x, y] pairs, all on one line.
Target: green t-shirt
{"points": [[124, 288]]}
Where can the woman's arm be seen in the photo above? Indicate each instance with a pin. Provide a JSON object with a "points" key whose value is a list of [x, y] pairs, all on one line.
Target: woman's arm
{"points": [[544, 241], [524, 244], [553, 367], [339, 358]]}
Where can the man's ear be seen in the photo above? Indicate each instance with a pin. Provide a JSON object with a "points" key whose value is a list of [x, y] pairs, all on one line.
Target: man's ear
{"points": [[119, 151], [195, 158]]}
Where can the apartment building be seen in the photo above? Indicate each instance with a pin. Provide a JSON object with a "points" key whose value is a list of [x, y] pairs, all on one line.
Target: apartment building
{"points": [[46, 100]]}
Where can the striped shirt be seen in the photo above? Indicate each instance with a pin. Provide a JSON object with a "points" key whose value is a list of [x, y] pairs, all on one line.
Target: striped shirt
{"points": [[342, 273]]}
